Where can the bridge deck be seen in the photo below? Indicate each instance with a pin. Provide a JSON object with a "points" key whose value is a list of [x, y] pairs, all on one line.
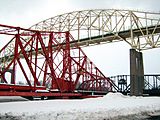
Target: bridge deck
{"points": [[107, 38]]}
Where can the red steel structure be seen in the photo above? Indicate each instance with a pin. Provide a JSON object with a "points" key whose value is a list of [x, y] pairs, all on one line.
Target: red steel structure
{"points": [[48, 64]]}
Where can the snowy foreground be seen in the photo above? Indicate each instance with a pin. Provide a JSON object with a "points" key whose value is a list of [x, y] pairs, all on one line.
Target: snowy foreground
{"points": [[111, 106]]}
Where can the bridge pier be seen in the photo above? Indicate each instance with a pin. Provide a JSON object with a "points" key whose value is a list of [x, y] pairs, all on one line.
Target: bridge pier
{"points": [[136, 73]]}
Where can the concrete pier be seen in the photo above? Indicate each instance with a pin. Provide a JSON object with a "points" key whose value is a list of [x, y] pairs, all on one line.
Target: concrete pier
{"points": [[136, 72]]}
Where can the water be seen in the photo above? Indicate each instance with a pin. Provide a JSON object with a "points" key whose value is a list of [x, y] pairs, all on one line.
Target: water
{"points": [[11, 99]]}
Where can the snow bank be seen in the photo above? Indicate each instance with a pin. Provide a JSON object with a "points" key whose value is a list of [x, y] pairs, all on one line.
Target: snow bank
{"points": [[109, 106], [114, 96]]}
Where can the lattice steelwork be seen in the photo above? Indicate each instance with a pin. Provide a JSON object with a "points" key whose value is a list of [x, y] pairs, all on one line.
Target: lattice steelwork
{"points": [[45, 60], [139, 29]]}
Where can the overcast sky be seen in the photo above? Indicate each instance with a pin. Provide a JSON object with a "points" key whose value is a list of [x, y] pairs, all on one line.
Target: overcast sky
{"points": [[111, 59]]}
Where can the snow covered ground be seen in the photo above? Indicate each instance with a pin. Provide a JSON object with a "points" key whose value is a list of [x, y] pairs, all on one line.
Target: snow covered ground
{"points": [[112, 106]]}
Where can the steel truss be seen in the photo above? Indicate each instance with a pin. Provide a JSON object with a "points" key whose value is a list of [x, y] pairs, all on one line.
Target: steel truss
{"points": [[139, 29], [151, 84], [47, 64]]}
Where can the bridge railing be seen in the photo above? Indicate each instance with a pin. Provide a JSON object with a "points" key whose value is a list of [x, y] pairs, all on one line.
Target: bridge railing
{"points": [[151, 82], [122, 82]]}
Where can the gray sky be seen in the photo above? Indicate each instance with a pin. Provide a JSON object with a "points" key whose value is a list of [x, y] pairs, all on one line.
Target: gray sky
{"points": [[111, 59]]}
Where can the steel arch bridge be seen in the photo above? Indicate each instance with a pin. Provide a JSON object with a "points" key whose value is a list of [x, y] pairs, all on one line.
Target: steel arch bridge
{"points": [[61, 36], [141, 30]]}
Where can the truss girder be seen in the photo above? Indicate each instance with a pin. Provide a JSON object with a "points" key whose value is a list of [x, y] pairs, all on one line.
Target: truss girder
{"points": [[46, 60], [142, 29]]}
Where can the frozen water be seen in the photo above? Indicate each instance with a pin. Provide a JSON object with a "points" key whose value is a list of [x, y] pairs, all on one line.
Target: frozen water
{"points": [[111, 106]]}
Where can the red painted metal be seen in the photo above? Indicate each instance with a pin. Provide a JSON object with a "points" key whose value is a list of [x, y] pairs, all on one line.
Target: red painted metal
{"points": [[47, 61]]}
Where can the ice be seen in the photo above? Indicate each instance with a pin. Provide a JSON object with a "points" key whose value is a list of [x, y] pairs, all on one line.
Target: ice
{"points": [[109, 106]]}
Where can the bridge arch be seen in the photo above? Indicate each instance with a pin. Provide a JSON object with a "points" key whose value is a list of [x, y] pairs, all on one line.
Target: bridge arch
{"points": [[139, 29]]}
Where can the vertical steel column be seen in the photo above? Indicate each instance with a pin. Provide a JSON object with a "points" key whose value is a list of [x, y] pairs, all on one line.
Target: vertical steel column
{"points": [[69, 61], [15, 54], [136, 73]]}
